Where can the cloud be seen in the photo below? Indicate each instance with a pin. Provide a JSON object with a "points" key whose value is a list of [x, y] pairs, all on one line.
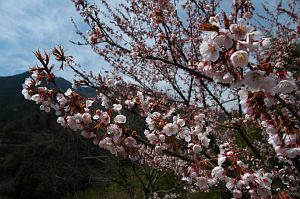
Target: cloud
{"points": [[38, 24], [28, 25]]}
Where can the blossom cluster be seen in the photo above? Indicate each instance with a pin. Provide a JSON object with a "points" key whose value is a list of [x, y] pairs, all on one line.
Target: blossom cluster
{"points": [[178, 79]]}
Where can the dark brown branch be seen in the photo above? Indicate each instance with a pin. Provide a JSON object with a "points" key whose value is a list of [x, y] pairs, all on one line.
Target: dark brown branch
{"points": [[237, 126], [288, 106]]}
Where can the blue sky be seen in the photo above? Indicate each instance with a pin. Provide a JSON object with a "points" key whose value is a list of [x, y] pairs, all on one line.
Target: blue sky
{"points": [[28, 25]]}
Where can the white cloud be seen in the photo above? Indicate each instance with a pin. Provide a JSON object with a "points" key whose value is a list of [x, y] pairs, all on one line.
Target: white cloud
{"points": [[28, 25]]}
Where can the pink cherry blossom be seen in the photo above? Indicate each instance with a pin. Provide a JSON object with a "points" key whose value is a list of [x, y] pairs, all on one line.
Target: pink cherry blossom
{"points": [[239, 59], [210, 50]]}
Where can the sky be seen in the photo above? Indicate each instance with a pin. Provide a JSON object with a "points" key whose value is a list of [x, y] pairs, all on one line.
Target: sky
{"points": [[29, 25]]}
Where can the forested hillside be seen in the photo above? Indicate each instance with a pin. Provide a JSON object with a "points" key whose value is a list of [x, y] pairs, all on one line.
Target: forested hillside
{"points": [[39, 159]]}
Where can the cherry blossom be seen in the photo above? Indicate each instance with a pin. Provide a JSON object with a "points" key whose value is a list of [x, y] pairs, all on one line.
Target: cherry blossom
{"points": [[256, 81], [170, 129], [239, 58], [240, 30], [120, 119], [217, 172], [210, 50], [285, 86], [214, 100]]}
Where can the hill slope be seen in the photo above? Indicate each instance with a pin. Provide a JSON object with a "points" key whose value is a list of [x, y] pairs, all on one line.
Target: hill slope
{"points": [[38, 158]]}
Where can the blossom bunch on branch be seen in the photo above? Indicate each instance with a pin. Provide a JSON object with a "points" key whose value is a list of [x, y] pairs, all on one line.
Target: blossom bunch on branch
{"points": [[178, 70]]}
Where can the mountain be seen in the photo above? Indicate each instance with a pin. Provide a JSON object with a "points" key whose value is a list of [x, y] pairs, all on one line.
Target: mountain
{"points": [[10, 96], [39, 158], [15, 104]]}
